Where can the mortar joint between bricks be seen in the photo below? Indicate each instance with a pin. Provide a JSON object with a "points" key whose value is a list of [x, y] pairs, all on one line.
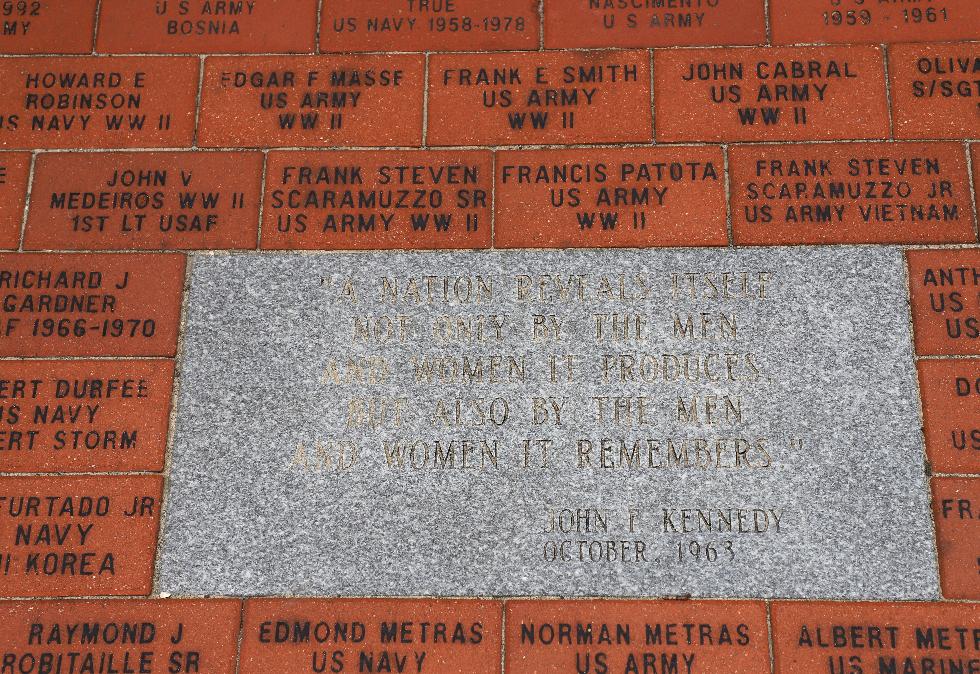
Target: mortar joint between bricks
{"points": [[95, 26], [972, 177], [27, 203]]}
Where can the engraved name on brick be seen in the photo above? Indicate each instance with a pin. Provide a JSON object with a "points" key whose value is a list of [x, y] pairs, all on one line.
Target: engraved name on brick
{"points": [[84, 416], [584, 198], [76, 536], [951, 414], [145, 200], [555, 637], [98, 102], [935, 89], [371, 635], [945, 301], [875, 637], [956, 508], [120, 636], [364, 200], [850, 193], [803, 93], [327, 100], [561, 98], [90, 305]]}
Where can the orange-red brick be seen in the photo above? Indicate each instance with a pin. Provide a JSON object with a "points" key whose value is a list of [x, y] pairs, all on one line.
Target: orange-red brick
{"points": [[146, 200], [428, 200], [663, 636], [84, 416], [864, 21], [524, 104], [956, 507], [206, 632], [975, 156], [14, 171], [47, 26], [126, 102], [138, 26], [945, 301], [72, 536], [850, 193], [935, 89], [573, 198], [458, 25], [381, 95], [90, 305], [430, 635], [873, 637], [951, 409], [748, 94], [585, 23]]}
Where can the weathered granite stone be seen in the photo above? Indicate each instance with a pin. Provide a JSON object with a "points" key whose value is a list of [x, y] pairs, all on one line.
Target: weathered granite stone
{"points": [[802, 474]]}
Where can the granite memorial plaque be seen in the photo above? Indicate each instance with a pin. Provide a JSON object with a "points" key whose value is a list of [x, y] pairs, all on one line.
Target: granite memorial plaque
{"points": [[724, 423]]}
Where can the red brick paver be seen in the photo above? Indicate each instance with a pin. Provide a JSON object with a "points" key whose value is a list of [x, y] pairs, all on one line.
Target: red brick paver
{"points": [[615, 197], [75, 536], [851, 193], [945, 301], [90, 305], [14, 171], [875, 637], [951, 410], [865, 21], [335, 100], [120, 636], [149, 26], [84, 416], [368, 200], [98, 102], [935, 89], [47, 26], [612, 23], [380, 635], [456, 25], [147, 200], [560, 98], [956, 508], [545, 637], [801, 93]]}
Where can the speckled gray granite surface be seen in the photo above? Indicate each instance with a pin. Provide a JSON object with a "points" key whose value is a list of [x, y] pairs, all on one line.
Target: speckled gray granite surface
{"points": [[373, 424]]}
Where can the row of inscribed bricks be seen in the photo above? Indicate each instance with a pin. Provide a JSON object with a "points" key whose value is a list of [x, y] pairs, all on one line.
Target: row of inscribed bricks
{"points": [[901, 192], [193, 26], [488, 637], [503, 98]]}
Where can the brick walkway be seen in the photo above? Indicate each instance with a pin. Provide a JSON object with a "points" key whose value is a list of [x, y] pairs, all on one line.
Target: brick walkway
{"points": [[134, 131]]}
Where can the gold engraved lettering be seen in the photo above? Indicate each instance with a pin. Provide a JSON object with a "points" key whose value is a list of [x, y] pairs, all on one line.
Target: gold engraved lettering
{"points": [[721, 285], [375, 412], [491, 369], [710, 410], [705, 326], [356, 370], [456, 453]]}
